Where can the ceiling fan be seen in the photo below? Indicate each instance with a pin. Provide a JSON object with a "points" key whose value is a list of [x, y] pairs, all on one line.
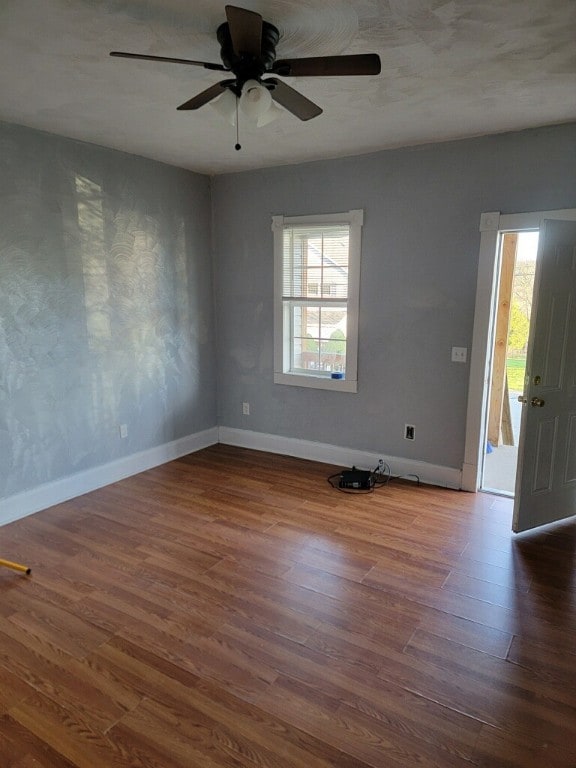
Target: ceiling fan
{"points": [[248, 51]]}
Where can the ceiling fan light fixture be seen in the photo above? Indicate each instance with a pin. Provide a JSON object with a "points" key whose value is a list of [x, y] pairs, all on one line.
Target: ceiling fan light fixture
{"points": [[255, 101], [225, 105], [268, 117]]}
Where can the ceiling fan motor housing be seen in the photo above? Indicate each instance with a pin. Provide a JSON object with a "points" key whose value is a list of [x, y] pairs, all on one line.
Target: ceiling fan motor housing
{"points": [[245, 66]]}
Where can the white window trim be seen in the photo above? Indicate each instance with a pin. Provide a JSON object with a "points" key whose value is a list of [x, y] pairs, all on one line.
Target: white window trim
{"points": [[355, 219]]}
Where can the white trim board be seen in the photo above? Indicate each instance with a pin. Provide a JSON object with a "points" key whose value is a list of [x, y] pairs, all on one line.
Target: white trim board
{"points": [[445, 477], [492, 223], [58, 491]]}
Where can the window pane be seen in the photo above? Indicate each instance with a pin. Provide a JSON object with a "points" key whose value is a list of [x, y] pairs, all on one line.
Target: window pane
{"points": [[318, 338], [333, 339], [306, 321], [305, 354], [333, 356], [315, 261], [296, 356], [313, 281], [335, 265], [333, 320], [305, 338]]}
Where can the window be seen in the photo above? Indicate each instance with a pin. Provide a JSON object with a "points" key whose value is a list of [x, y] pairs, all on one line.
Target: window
{"points": [[317, 281]]}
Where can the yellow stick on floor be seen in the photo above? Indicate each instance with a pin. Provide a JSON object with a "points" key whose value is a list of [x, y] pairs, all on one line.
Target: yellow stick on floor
{"points": [[15, 566]]}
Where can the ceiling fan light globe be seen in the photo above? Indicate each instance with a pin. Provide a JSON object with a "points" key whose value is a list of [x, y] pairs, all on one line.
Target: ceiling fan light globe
{"points": [[225, 105], [268, 117], [255, 101]]}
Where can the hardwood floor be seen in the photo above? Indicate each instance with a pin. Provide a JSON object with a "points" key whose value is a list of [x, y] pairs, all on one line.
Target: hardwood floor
{"points": [[232, 609]]}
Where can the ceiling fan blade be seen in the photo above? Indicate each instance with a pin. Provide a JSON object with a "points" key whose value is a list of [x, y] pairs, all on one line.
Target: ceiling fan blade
{"points": [[292, 100], [205, 96], [358, 64], [169, 59], [245, 30]]}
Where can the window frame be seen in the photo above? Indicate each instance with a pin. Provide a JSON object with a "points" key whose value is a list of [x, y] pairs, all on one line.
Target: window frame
{"points": [[282, 329]]}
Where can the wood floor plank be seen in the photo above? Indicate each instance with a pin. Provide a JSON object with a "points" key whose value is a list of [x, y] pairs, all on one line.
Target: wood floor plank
{"points": [[207, 658], [397, 572], [433, 548], [68, 733], [13, 688], [231, 608], [63, 629], [486, 591], [215, 741], [20, 748], [58, 677], [468, 633], [495, 574], [33, 594], [509, 688], [415, 745], [553, 667], [160, 679], [331, 676], [498, 747], [372, 742], [151, 743]]}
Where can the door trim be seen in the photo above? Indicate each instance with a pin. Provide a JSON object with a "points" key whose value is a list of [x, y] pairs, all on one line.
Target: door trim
{"points": [[492, 224]]}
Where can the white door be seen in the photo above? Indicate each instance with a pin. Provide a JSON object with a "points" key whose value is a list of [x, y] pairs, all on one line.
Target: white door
{"points": [[546, 477]]}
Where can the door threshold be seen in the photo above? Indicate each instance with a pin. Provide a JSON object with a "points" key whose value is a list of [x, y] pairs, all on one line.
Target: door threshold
{"points": [[497, 492]]}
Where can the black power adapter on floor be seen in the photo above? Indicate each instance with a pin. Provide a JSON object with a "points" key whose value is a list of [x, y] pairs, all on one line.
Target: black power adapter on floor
{"points": [[356, 479]]}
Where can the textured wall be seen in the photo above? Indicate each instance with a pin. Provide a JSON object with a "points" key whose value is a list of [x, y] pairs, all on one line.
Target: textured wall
{"points": [[418, 281], [106, 306], [106, 303]]}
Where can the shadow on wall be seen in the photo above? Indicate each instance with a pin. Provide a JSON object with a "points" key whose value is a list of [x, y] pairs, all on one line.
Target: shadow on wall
{"points": [[98, 320]]}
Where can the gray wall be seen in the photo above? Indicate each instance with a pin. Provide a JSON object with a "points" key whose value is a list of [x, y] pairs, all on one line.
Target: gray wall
{"points": [[106, 295], [106, 306], [419, 262]]}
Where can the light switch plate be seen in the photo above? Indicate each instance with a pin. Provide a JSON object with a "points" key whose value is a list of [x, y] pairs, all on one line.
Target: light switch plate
{"points": [[459, 354]]}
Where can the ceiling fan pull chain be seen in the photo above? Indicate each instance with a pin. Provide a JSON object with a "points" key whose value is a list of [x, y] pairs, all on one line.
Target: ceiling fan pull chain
{"points": [[237, 146]]}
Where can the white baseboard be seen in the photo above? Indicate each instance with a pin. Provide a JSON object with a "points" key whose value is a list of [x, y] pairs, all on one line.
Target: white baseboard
{"points": [[58, 491], [445, 477], [48, 494]]}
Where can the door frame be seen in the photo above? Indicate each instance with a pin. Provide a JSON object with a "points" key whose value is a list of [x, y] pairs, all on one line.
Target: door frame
{"points": [[492, 224]]}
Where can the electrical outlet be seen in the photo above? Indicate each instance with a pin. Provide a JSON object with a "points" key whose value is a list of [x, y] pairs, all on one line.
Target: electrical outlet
{"points": [[123, 430], [246, 409], [409, 431]]}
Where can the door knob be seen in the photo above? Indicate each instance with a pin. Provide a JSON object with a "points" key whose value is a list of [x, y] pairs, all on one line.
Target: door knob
{"points": [[537, 402], [522, 399]]}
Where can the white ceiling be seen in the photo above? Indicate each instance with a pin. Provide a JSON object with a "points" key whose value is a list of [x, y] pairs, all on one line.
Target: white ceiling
{"points": [[449, 70]]}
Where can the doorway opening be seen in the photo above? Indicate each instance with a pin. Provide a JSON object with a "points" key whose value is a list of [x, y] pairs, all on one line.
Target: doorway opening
{"points": [[511, 314]]}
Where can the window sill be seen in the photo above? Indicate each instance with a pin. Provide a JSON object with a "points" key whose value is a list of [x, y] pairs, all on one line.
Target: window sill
{"points": [[316, 382]]}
